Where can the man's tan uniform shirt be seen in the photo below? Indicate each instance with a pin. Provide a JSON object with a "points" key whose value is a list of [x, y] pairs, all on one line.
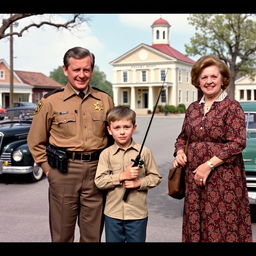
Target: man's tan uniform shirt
{"points": [[113, 160], [65, 120]]}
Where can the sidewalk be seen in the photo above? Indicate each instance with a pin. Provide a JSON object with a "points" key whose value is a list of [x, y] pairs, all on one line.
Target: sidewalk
{"points": [[182, 115]]}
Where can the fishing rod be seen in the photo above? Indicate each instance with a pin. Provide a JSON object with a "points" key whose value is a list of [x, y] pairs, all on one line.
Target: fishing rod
{"points": [[138, 161]]}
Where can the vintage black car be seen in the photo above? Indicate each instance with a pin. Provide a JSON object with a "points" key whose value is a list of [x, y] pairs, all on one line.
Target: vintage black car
{"points": [[15, 157]]}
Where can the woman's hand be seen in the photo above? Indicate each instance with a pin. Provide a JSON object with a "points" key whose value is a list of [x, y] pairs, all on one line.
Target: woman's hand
{"points": [[180, 159], [201, 174]]}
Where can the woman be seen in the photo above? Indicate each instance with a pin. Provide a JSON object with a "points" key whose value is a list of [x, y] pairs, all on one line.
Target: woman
{"points": [[216, 206]]}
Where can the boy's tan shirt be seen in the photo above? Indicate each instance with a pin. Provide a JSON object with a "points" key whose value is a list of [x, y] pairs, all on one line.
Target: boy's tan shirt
{"points": [[113, 160]]}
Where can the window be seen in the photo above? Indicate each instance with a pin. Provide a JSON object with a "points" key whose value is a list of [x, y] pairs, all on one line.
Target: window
{"points": [[125, 77], [1, 74], [254, 94], [144, 76], [179, 76], [187, 77], [162, 74], [163, 34], [251, 118], [249, 94], [241, 94], [179, 96], [163, 96], [194, 95], [125, 97], [157, 34], [187, 96]]}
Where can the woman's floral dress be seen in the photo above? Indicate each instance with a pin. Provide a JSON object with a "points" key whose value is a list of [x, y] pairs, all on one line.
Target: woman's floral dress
{"points": [[220, 211]]}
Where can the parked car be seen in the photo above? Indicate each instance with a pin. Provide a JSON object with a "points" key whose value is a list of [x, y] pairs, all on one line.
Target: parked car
{"points": [[24, 104], [249, 153], [15, 157], [22, 113], [2, 111]]}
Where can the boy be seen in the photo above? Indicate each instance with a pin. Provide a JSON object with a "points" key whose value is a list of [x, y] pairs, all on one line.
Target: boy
{"points": [[125, 221]]}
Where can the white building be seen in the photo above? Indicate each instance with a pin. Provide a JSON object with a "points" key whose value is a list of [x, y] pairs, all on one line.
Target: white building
{"points": [[140, 73], [245, 89]]}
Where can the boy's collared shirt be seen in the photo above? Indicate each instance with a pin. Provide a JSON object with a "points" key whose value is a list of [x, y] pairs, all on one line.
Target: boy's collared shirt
{"points": [[114, 160]]}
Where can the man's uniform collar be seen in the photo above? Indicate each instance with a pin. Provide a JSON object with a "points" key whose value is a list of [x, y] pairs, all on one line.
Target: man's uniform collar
{"points": [[70, 91]]}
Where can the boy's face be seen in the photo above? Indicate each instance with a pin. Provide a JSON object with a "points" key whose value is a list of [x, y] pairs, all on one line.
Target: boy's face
{"points": [[122, 131]]}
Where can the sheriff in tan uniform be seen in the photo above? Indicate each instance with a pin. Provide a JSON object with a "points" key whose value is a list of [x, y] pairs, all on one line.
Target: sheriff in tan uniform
{"points": [[77, 125]]}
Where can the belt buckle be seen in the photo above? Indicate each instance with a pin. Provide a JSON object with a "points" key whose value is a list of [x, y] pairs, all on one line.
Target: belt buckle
{"points": [[87, 155], [73, 155]]}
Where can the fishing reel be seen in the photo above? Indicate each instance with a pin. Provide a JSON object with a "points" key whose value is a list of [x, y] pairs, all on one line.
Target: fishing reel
{"points": [[138, 163]]}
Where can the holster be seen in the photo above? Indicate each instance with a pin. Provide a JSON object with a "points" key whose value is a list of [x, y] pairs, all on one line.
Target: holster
{"points": [[57, 158]]}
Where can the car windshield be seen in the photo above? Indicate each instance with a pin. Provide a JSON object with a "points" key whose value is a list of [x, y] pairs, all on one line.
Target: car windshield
{"points": [[251, 118], [19, 113]]}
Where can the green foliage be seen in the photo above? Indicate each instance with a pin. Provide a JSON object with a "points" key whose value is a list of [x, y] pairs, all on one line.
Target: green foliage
{"points": [[99, 81], [170, 108], [58, 75], [181, 108]]}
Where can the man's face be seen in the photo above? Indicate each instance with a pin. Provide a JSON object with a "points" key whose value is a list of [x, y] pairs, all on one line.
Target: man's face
{"points": [[79, 72]]}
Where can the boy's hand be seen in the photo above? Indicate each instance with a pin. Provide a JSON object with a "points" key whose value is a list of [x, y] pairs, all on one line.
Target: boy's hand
{"points": [[135, 183], [129, 173]]}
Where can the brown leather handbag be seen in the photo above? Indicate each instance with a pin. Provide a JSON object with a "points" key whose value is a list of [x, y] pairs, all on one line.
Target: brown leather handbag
{"points": [[176, 180]]}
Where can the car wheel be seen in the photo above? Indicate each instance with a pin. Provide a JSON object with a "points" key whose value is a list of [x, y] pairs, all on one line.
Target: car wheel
{"points": [[37, 173]]}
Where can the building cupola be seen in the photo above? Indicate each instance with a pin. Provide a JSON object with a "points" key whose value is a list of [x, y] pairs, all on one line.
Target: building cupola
{"points": [[160, 31]]}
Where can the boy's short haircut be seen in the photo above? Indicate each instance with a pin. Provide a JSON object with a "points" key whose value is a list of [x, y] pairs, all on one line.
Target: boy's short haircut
{"points": [[121, 113]]}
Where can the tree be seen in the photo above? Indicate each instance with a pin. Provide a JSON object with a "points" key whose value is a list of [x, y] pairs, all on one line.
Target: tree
{"points": [[58, 75], [232, 37], [74, 20], [98, 79], [6, 30]]}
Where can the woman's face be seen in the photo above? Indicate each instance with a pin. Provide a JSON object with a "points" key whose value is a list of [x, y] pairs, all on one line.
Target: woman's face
{"points": [[210, 81]]}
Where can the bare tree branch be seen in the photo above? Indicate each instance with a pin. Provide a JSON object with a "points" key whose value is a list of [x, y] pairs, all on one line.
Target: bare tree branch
{"points": [[15, 17]]}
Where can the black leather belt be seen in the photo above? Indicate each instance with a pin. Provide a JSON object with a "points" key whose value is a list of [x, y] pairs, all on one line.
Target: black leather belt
{"points": [[87, 157]]}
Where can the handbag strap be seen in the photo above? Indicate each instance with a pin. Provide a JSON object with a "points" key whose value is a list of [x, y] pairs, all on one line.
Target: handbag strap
{"points": [[186, 147]]}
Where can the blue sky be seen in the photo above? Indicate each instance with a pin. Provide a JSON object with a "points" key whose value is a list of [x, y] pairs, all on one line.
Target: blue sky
{"points": [[107, 35]]}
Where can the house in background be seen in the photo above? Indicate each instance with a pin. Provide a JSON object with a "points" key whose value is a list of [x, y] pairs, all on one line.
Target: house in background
{"points": [[245, 89], [140, 73], [28, 86]]}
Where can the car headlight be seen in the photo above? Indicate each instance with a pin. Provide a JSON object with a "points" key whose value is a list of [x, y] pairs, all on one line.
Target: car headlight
{"points": [[17, 155]]}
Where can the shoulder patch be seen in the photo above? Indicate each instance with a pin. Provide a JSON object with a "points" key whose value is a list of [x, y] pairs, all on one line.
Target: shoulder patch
{"points": [[53, 92], [38, 107]]}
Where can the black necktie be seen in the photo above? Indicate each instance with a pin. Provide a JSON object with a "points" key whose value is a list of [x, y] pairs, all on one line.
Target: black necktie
{"points": [[81, 95]]}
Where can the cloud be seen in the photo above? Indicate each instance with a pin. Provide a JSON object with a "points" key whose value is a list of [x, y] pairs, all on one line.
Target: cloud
{"points": [[178, 22], [42, 49]]}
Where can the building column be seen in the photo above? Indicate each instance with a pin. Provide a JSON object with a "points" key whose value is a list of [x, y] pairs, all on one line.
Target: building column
{"points": [[30, 98], [150, 98], [133, 106], [115, 95]]}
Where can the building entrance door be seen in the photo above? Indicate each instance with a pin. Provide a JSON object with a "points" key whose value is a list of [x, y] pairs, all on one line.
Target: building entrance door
{"points": [[145, 100]]}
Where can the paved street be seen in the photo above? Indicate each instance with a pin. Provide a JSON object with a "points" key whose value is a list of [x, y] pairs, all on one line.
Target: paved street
{"points": [[24, 206]]}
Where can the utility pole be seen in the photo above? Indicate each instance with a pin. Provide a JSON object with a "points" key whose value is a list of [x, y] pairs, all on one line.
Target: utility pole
{"points": [[11, 67]]}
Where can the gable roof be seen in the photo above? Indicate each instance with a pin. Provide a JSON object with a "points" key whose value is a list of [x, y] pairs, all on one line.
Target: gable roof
{"points": [[165, 48], [162, 49], [37, 79]]}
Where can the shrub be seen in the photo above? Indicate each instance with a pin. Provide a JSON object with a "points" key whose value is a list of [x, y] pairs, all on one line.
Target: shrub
{"points": [[181, 108], [170, 108]]}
